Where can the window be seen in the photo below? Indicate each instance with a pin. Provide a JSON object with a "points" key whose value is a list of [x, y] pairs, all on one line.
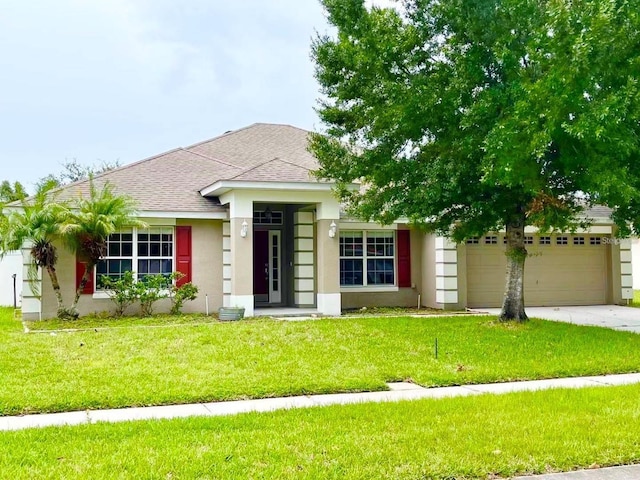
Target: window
{"points": [[491, 240], [562, 240], [578, 240], [545, 240], [152, 255], [367, 258], [473, 241], [595, 241], [528, 240]]}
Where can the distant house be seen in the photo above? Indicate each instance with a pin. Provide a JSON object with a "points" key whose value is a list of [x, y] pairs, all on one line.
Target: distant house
{"points": [[10, 266], [244, 219]]}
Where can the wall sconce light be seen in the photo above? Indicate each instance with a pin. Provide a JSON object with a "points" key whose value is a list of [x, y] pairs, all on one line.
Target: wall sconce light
{"points": [[244, 228], [332, 229]]}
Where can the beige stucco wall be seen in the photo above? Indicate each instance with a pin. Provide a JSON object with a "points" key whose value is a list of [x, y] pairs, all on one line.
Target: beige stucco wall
{"points": [[428, 271], [402, 297], [206, 271], [206, 264]]}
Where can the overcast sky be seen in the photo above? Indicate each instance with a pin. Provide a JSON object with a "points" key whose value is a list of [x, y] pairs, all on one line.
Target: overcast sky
{"points": [[123, 80]]}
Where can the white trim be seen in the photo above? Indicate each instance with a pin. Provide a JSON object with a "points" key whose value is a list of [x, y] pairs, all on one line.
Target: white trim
{"points": [[373, 289], [223, 186], [357, 225], [275, 295], [329, 303], [186, 215]]}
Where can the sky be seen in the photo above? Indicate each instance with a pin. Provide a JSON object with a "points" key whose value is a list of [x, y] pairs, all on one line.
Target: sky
{"points": [[122, 80]]}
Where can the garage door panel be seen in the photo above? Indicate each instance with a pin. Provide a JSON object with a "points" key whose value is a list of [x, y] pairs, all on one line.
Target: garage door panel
{"points": [[554, 274]]}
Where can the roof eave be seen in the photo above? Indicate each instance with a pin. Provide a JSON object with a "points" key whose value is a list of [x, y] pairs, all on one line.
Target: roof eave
{"points": [[224, 186]]}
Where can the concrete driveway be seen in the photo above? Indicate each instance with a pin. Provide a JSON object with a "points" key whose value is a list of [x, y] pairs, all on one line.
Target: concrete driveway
{"points": [[611, 316]]}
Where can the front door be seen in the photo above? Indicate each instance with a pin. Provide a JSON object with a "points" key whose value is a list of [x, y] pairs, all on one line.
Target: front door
{"points": [[267, 271]]}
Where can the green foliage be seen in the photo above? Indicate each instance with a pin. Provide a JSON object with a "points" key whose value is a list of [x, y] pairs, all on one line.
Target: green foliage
{"points": [[149, 290], [37, 221], [121, 291], [91, 222], [180, 294], [458, 114], [74, 171]]}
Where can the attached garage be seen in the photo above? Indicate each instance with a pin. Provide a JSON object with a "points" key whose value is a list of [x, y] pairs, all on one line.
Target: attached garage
{"points": [[561, 270]]}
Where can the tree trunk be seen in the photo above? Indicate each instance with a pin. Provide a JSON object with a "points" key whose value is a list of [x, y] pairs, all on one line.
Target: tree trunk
{"points": [[513, 302], [56, 285], [88, 271]]}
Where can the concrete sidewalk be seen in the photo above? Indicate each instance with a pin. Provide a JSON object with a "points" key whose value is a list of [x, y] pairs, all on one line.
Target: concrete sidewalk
{"points": [[396, 392], [626, 472]]}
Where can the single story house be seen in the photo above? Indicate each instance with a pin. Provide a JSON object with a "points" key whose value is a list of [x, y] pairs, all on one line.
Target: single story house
{"points": [[244, 219]]}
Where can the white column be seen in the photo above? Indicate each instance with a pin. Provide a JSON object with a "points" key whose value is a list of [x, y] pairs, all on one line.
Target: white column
{"points": [[446, 273], [626, 269], [303, 259]]}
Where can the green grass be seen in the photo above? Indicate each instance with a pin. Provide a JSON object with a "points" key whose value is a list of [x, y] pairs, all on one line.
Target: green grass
{"points": [[116, 367], [481, 437], [636, 299]]}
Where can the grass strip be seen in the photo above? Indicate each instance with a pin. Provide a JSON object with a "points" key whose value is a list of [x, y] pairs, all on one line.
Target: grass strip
{"points": [[118, 367], [491, 436]]}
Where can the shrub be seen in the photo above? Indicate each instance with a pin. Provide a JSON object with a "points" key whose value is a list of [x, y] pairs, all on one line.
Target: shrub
{"points": [[123, 291], [181, 294], [150, 289]]}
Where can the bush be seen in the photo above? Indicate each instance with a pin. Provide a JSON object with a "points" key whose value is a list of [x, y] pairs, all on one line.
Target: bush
{"points": [[181, 294], [151, 289], [123, 292]]}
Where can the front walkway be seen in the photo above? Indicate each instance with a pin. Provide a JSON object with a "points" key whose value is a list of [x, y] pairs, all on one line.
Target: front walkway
{"points": [[396, 392], [610, 316]]}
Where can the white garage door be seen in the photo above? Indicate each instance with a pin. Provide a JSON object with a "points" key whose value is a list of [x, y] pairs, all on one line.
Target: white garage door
{"points": [[561, 270]]}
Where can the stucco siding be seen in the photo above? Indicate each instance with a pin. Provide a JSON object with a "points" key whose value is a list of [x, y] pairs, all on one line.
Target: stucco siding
{"points": [[428, 271], [206, 271]]}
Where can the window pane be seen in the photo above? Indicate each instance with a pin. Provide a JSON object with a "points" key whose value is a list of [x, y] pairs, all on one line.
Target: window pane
{"points": [[113, 250], [351, 272], [167, 266], [127, 250], [154, 250], [101, 268], [154, 266], [143, 237], [380, 272], [380, 244], [143, 267], [351, 244], [143, 249]]}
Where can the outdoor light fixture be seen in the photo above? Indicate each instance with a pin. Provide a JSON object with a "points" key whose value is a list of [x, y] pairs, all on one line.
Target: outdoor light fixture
{"points": [[244, 229], [332, 229]]}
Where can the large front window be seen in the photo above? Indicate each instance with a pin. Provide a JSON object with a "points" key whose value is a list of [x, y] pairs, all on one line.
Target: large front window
{"points": [[143, 251], [367, 258]]}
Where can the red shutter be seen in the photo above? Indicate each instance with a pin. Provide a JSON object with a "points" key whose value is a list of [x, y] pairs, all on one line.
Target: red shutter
{"points": [[80, 266], [183, 254], [404, 258]]}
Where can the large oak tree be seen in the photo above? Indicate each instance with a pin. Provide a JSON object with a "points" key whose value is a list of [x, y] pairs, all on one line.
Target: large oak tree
{"points": [[473, 116]]}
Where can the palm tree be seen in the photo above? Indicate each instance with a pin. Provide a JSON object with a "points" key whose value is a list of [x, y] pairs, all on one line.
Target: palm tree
{"points": [[38, 222], [89, 224]]}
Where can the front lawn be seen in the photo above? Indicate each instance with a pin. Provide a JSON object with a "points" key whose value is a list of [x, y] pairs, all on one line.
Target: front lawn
{"points": [[463, 438], [142, 365]]}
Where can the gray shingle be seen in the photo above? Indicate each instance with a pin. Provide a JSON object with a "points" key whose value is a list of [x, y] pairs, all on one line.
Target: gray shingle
{"points": [[171, 181]]}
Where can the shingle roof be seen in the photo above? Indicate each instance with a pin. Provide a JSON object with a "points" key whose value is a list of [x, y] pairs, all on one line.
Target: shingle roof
{"points": [[171, 181]]}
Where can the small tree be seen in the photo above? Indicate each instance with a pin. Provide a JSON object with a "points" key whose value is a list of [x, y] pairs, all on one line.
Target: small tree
{"points": [[472, 116], [37, 221], [90, 223]]}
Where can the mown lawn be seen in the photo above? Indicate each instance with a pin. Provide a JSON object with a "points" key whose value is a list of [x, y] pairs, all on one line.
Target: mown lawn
{"points": [[143, 365], [636, 299], [460, 438]]}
